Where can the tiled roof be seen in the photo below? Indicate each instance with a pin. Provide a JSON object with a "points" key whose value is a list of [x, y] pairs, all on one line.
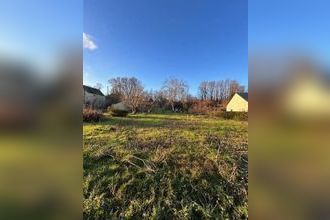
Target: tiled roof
{"points": [[244, 95], [92, 90]]}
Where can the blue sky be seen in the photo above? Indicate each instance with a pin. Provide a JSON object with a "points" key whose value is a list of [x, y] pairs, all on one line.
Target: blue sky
{"points": [[291, 25], [193, 40], [37, 31]]}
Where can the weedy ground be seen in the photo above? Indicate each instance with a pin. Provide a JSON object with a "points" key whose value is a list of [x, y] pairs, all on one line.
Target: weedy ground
{"points": [[165, 166]]}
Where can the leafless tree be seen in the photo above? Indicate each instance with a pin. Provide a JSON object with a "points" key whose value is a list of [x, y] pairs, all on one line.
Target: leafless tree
{"points": [[131, 90], [203, 90], [149, 101], [218, 85], [235, 87], [116, 85], [175, 91], [219, 91], [211, 88]]}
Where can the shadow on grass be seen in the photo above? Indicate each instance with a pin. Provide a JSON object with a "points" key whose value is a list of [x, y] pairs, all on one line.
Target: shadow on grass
{"points": [[170, 117], [135, 122]]}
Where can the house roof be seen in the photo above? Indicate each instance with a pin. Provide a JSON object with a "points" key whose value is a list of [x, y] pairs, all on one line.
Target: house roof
{"points": [[244, 95], [92, 90]]}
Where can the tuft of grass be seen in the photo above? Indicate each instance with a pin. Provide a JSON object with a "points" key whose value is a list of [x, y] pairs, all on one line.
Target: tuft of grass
{"points": [[165, 166]]}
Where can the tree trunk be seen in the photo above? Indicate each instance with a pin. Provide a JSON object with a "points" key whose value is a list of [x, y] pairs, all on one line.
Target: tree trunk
{"points": [[133, 110]]}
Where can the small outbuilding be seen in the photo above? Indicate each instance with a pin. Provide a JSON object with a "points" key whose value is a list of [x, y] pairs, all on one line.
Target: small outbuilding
{"points": [[238, 103], [121, 106], [93, 97]]}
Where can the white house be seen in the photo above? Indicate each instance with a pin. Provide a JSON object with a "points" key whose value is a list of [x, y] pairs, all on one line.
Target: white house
{"points": [[238, 103], [93, 97], [307, 96]]}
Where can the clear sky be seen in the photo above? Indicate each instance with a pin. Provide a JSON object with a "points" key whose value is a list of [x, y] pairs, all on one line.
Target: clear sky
{"points": [[291, 24], [192, 40], [37, 31]]}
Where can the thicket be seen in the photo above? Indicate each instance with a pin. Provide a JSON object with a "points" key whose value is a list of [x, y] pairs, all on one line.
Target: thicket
{"points": [[90, 115]]}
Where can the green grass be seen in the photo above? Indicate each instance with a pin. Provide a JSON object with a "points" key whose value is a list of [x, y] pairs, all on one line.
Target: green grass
{"points": [[165, 166]]}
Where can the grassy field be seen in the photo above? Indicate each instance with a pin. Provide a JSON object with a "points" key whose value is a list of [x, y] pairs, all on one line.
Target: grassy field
{"points": [[165, 166]]}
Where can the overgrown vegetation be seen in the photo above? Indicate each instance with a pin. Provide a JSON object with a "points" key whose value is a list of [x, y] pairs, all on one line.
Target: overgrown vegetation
{"points": [[90, 115], [241, 116], [165, 166], [117, 112], [173, 96]]}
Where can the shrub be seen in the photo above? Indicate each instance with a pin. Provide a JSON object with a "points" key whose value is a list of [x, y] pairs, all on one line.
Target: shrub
{"points": [[159, 110], [90, 115], [240, 116], [117, 112], [201, 107]]}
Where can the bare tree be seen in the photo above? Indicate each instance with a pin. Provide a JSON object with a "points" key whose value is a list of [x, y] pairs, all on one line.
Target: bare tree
{"points": [[175, 91], [160, 99], [149, 101], [226, 89], [235, 87], [203, 90], [220, 90], [241, 88], [211, 88], [130, 89], [217, 92], [116, 85]]}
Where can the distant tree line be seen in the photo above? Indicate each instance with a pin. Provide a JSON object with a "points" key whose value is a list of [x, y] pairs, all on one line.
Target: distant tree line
{"points": [[220, 90], [172, 96]]}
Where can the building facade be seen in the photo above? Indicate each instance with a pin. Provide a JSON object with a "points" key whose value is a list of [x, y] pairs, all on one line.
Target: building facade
{"points": [[238, 103], [93, 98]]}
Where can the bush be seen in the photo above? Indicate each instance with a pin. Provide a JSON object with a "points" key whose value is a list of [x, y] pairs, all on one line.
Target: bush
{"points": [[201, 107], [240, 116], [117, 112], [90, 115]]}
